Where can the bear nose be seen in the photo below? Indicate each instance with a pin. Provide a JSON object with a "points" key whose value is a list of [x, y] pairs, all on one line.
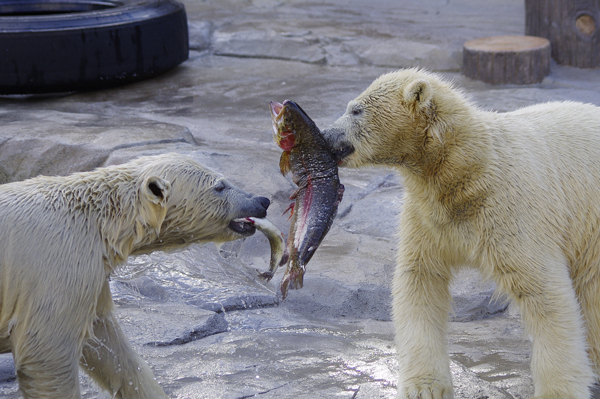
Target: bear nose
{"points": [[265, 202]]}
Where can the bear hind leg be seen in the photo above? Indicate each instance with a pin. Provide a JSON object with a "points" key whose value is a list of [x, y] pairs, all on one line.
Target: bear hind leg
{"points": [[549, 307], [111, 361], [588, 294]]}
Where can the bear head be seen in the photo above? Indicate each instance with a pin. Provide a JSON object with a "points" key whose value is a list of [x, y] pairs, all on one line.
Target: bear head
{"points": [[201, 205], [399, 120]]}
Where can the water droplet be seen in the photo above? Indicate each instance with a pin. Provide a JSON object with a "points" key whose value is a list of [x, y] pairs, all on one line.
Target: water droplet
{"points": [[257, 377], [139, 368], [130, 382]]}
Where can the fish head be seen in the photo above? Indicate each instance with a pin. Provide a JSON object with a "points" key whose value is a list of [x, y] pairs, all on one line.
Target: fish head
{"points": [[291, 125], [283, 129]]}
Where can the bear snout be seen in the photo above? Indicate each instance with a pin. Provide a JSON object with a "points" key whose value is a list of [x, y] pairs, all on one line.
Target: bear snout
{"points": [[255, 207], [342, 152], [264, 202], [336, 139], [261, 205]]}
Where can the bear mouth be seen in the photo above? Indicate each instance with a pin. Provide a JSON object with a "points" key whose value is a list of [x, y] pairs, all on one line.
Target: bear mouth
{"points": [[242, 226], [342, 153]]}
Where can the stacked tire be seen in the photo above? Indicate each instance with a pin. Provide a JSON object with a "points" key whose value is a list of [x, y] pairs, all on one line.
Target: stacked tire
{"points": [[71, 45]]}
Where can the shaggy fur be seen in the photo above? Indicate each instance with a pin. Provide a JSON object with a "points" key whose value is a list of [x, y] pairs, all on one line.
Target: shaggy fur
{"points": [[62, 237], [516, 195]]}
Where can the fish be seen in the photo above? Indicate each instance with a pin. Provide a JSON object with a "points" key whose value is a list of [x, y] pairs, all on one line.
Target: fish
{"points": [[314, 170], [276, 242]]}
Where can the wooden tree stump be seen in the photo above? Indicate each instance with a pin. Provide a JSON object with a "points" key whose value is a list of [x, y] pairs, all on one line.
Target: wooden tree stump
{"points": [[570, 25], [507, 59]]}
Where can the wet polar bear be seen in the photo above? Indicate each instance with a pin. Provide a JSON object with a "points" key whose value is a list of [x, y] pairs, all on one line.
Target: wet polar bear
{"points": [[62, 237], [516, 195]]}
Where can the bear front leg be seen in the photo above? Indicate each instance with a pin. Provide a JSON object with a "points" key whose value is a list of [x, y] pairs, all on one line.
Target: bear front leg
{"points": [[111, 361], [421, 303], [543, 289]]}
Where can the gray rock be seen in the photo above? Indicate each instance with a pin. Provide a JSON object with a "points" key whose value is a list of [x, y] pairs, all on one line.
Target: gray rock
{"points": [[474, 298], [396, 53], [322, 298], [164, 324], [268, 44], [200, 33], [250, 301], [58, 143], [7, 368], [199, 276], [146, 287], [468, 385]]}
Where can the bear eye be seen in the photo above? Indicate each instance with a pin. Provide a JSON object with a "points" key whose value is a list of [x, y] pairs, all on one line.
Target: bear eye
{"points": [[220, 186], [357, 111]]}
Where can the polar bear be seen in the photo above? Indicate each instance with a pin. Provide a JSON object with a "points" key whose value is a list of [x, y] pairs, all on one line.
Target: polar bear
{"points": [[62, 237], [516, 195]]}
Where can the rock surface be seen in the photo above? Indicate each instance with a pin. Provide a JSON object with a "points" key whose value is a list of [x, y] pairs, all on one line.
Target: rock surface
{"points": [[201, 318]]}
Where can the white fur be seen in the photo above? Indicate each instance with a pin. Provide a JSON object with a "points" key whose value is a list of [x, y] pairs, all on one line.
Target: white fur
{"points": [[516, 195], [62, 237]]}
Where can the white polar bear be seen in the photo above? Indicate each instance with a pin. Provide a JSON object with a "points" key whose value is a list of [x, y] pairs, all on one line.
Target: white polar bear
{"points": [[516, 195], [62, 237]]}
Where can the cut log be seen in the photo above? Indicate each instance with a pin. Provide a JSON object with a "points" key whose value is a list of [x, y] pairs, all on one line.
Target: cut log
{"points": [[570, 25], [507, 59]]}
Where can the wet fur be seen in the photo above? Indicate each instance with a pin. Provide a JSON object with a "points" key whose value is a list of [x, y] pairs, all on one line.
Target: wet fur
{"points": [[61, 239], [516, 195]]}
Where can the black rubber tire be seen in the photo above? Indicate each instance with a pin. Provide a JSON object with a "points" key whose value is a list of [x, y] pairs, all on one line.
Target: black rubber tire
{"points": [[72, 45]]}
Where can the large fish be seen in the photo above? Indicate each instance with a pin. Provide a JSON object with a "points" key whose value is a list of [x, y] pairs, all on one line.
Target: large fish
{"points": [[315, 172]]}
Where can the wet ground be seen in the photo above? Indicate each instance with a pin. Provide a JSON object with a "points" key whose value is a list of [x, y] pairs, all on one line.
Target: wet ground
{"points": [[201, 318]]}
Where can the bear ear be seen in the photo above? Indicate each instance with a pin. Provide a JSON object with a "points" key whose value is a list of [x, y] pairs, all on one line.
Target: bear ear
{"points": [[418, 95], [156, 190]]}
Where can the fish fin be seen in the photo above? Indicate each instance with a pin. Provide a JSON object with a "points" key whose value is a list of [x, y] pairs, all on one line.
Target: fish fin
{"points": [[284, 163], [285, 258], [289, 209], [267, 276], [283, 288], [294, 194]]}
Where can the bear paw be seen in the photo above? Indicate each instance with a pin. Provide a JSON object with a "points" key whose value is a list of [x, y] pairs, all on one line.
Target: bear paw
{"points": [[560, 396], [435, 390]]}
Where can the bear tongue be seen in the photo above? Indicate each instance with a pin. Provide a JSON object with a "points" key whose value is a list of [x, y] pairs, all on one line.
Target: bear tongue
{"points": [[243, 226]]}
